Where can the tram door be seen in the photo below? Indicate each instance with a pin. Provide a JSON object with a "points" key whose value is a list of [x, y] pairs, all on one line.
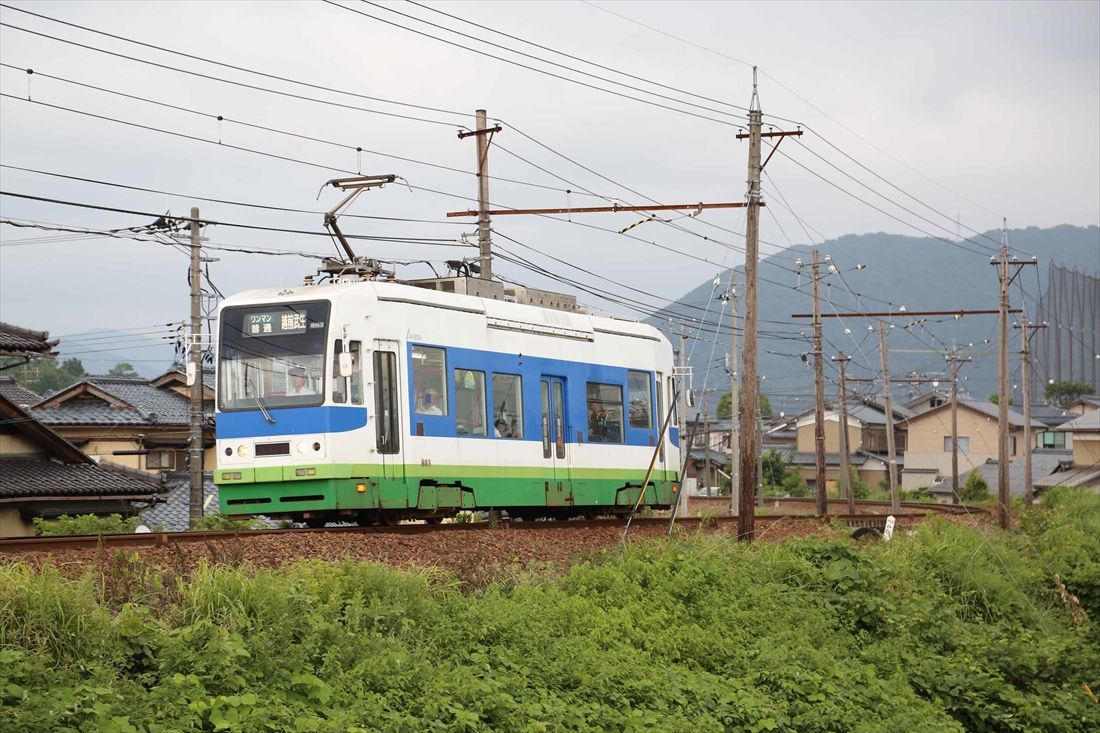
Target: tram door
{"points": [[554, 427], [387, 415]]}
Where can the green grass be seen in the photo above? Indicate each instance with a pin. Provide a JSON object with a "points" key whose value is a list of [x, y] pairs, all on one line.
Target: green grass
{"points": [[943, 629]]}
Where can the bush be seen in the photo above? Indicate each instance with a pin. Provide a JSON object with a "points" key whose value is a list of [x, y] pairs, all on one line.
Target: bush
{"points": [[974, 490], [216, 522], [795, 485], [860, 489], [85, 524]]}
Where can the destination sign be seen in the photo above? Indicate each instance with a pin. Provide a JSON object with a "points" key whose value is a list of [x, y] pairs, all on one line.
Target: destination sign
{"points": [[276, 323]]}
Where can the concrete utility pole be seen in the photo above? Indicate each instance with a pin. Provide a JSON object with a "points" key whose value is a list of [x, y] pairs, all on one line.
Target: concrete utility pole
{"points": [[1002, 390], [1003, 453], [819, 398], [749, 405], [1026, 332], [682, 408], [953, 357], [735, 427], [196, 413], [706, 446], [484, 137], [845, 458], [887, 398]]}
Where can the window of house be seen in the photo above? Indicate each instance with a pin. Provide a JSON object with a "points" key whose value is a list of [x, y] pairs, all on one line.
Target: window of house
{"points": [[429, 388], [605, 413], [641, 405], [964, 444], [507, 406], [1013, 448], [164, 460], [1052, 439], [470, 402]]}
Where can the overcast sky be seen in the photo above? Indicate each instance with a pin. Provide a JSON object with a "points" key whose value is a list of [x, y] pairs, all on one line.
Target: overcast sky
{"points": [[980, 110]]}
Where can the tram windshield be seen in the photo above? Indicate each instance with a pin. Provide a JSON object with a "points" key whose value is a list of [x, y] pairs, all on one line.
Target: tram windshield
{"points": [[272, 356]]}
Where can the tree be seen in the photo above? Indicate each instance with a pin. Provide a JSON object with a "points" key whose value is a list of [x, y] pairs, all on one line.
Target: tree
{"points": [[996, 399], [1065, 393], [974, 489], [122, 369], [773, 469], [724, 412], [43, 376]]}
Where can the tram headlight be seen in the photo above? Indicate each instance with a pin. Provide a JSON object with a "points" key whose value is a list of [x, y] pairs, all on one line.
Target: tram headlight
{"points": [[302, 447], [242, 451]]}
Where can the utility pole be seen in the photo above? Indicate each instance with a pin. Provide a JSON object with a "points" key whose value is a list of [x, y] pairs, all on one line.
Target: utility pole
{"points": [[845, 458], [484, 137], [1003, 263], [887, 398], [1026, 332], [681, 407], [749, 404], [196, 413], [953, 357], [706, 445], [735, 427], [819, 398]]}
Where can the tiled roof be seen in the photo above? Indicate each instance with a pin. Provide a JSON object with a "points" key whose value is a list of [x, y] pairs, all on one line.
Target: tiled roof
{"points": [[173, 513], [1074, 477], [34, 477], [1042, 465], [23, 341], [985, 407], [1088, 422], [831, 459], [17, 393], [1051, 415], [142, 404]]}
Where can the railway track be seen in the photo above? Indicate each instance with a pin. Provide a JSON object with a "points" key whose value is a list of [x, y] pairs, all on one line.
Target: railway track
{"points": [[910, 511]]}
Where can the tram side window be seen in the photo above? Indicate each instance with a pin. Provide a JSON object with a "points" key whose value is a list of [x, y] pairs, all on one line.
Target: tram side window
{"points": [[429, 368], [507, 406], [641, 405], [605, 413], [356, 380], [339, 384], [469, 402]]}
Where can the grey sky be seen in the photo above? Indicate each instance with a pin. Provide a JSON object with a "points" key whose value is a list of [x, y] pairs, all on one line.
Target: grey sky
{"points": [[999, 102]]}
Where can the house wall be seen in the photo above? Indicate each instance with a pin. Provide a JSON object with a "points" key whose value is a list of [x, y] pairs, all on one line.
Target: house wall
{"points": [[12, 524], [14, 444], [1086, 449], [102, 444], [926, 434], [805, 440]]}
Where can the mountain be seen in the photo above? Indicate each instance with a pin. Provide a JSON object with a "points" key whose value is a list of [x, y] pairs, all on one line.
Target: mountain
{"points": [[918, 273], [101, 349]]}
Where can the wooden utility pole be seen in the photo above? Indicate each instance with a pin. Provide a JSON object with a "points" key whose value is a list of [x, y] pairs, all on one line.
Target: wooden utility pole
{"points": [[887, 399], [682, 407], [820, 489], [484, 137], [749, 403], [196, 414], [954, 359], [845, 458], [1026, 332], [735, 427]]}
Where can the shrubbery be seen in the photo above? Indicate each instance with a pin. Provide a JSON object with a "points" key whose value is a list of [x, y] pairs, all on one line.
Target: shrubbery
{"points": [[85, 524], [944, 629]]}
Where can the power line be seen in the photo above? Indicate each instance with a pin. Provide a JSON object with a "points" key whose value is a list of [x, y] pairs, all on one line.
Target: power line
{"points": [[222, 64], [536, 69]]}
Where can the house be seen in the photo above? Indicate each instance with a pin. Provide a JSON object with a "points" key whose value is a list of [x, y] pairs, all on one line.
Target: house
{"points": [[867, 445], [43, 475], [1053, 417], [1044, 463], [1085, 469], [1084, 403], [928, 401], [127, 421], [929, 440], [702, 478]]}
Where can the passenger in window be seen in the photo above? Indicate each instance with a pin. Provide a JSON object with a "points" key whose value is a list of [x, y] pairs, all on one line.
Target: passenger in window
{"points": [[299, 383], [429, 404], [500, 430]]}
